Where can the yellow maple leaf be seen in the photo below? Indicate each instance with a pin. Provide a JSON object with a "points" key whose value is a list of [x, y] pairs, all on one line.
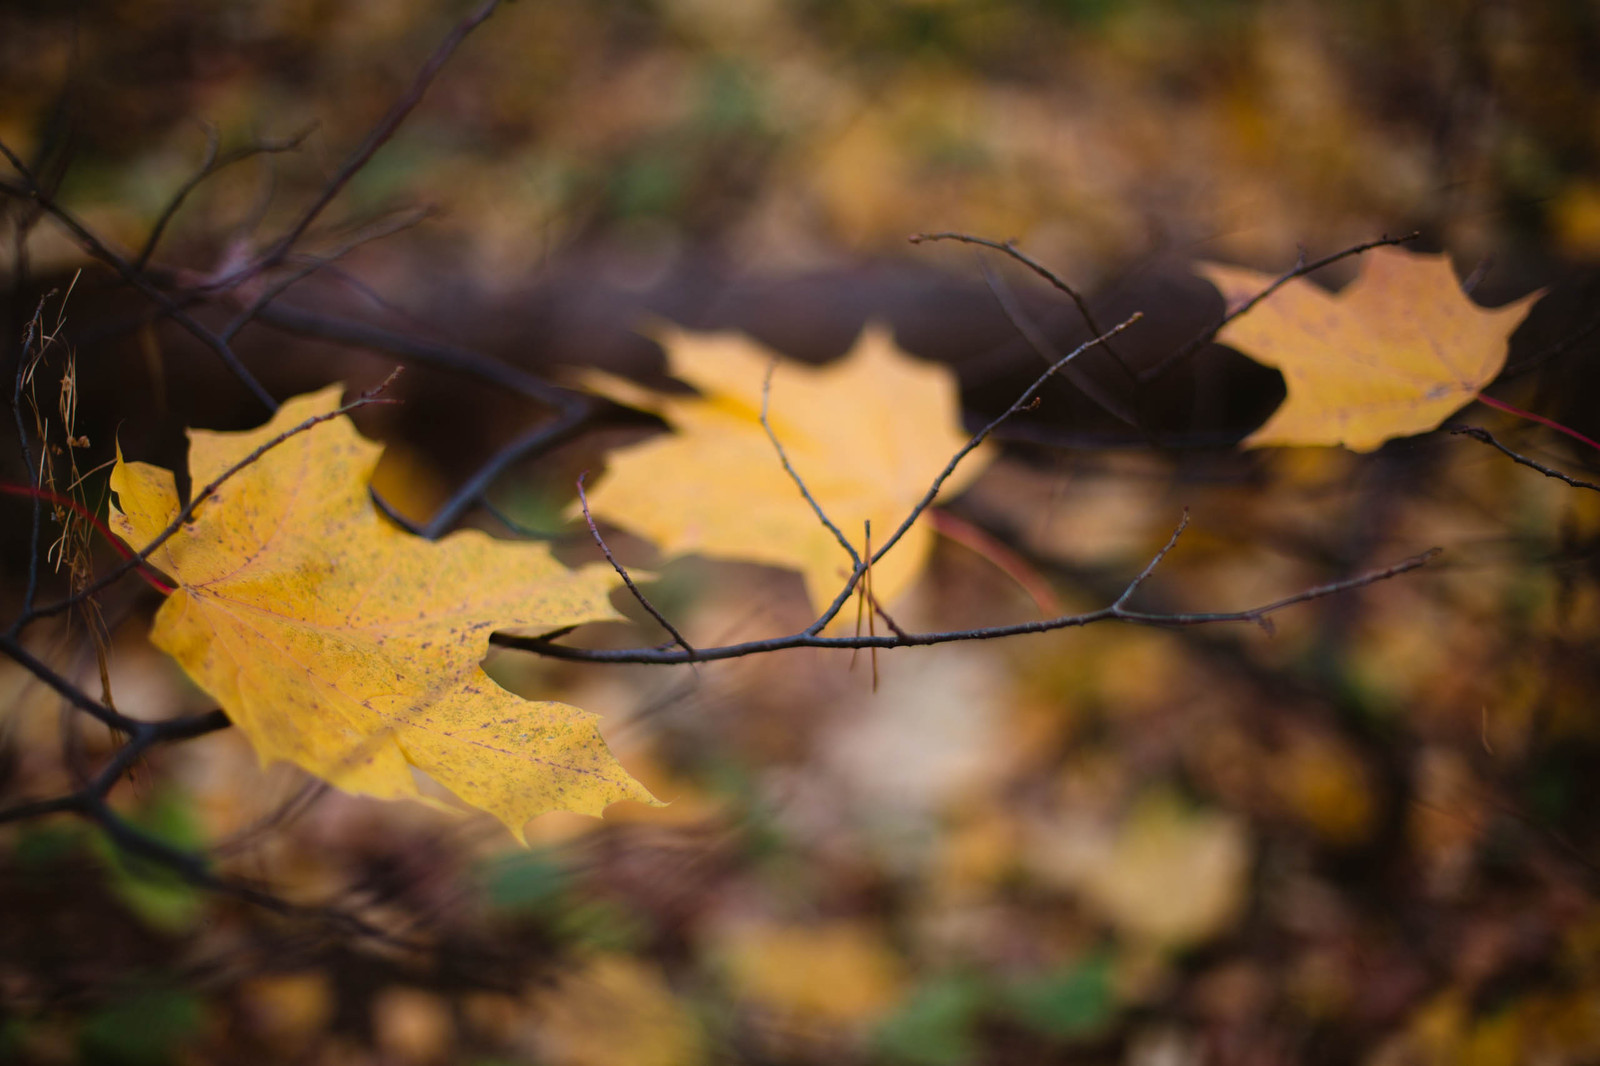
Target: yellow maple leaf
{"points": [[867, 434], [340, 643], [1395, 353]]}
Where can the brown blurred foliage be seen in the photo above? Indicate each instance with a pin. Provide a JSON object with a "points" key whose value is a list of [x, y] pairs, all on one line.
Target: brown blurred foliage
{"points": [[1366, 836]]}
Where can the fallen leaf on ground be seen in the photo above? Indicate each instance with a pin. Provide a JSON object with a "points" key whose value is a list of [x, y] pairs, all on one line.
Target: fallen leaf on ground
{"points": [[617, 1009], [1394, 353], [1168, 876], [867, 434], [837, 974], [338, 642]]}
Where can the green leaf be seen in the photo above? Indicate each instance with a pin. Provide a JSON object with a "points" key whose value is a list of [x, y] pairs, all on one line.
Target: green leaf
{"points": [[935, 1025], [1075, 1001], [146, 1029]]}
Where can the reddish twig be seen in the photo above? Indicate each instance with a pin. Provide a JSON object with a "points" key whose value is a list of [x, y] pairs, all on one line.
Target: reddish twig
{"points": [[150, 576], [138, 558]]}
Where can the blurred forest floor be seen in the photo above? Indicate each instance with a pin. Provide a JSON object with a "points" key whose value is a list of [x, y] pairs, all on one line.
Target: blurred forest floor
{"points": [[1369, 835]]}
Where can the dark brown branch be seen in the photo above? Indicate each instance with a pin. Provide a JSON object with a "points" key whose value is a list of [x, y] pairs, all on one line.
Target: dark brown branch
{"points": [[537, 439], [1301, 269]]}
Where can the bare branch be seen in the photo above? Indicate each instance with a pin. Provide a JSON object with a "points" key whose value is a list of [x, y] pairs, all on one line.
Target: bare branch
{"points": [[1150, 568], [537, 439], [1114, 612], [1021, 403]]}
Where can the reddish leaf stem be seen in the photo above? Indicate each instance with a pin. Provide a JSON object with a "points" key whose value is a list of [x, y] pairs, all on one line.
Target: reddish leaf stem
{"points": [[104, 530], [1501, 405], [1007, 561]]}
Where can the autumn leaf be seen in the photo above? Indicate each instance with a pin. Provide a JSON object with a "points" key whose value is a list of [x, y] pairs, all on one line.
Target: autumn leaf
{"points": [[1395, 353], [867, 434], [348, 647]]}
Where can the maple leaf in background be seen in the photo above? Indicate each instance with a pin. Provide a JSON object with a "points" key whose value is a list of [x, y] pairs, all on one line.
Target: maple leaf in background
{"points": [[867, 434], [1393, 354], [338, 642]]}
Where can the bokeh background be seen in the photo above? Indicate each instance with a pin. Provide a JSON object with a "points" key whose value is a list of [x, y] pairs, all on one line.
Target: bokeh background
{"points": [[1365, 836]]}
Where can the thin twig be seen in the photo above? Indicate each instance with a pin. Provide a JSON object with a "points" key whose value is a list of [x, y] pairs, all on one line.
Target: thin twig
{"points": [[1047, 351], [376, 232], [1150, 567], [1010, 248], [788, 468], [1023, 402], [622, 572], [1478, 433], [378, 136], [212, 164], [1301, 268]]}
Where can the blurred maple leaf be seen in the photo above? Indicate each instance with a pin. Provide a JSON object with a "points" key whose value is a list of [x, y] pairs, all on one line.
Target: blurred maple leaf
{"points": [[1395, 353], [340, 643], [867, 434]]}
